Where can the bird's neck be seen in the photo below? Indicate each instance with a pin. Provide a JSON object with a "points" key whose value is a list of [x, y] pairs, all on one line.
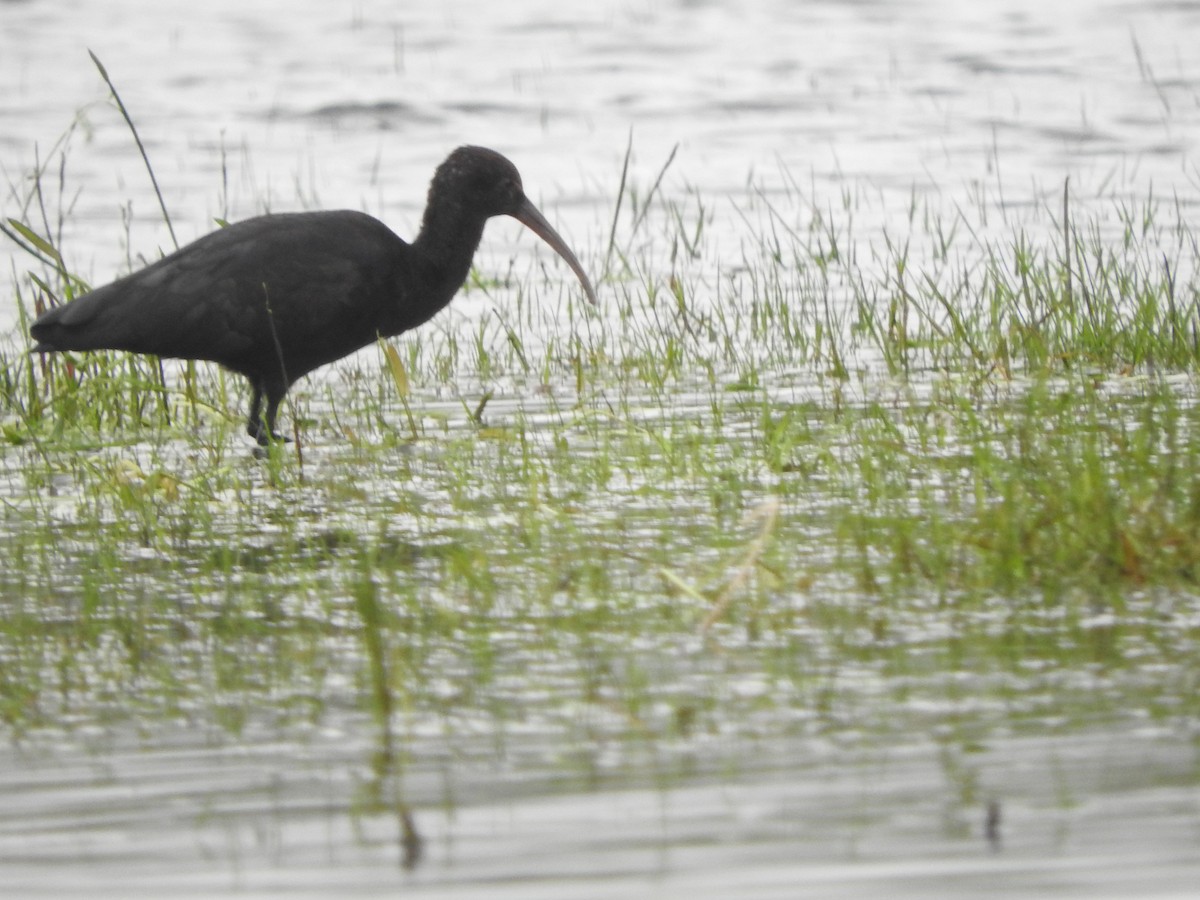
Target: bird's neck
{"points": [[446, 244]]}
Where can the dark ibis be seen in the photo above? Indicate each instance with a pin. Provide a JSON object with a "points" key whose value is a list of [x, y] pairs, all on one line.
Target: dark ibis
{"points": [[277, 296]]}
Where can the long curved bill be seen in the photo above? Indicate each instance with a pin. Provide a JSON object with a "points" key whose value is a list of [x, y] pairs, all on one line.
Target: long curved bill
{"points": [[529, 216]]}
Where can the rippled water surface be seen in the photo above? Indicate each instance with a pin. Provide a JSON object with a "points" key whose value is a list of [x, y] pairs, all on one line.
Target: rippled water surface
{"points": [[866, 107], [282, 106]]}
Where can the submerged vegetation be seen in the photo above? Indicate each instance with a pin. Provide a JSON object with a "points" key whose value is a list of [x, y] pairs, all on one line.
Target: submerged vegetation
{"points": [[788, 479]]}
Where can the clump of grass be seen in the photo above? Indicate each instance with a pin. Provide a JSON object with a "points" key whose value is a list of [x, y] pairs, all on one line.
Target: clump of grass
{"points": [[1046, 490]]}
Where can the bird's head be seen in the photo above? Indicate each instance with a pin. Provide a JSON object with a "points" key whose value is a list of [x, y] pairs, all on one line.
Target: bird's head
{"points": [[481, 180], [485, 183]]}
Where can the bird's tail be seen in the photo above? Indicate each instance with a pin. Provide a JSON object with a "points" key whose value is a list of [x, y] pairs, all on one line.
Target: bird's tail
{"points": [[43, 331]]}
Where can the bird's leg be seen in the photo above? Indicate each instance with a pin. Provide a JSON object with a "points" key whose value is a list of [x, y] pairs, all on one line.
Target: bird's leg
{"points": [[273, 401], [260, 427], [254, 423]]}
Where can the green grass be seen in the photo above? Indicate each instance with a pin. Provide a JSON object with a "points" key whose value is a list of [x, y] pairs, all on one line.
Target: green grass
{"points": [[867, 484]]}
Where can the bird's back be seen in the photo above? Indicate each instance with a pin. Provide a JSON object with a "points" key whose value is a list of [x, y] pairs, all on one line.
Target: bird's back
{"points": [[310, 286]]}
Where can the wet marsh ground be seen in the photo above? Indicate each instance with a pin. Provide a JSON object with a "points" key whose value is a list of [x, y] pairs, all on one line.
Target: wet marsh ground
{"points": [[855, 561], [849, 549]]}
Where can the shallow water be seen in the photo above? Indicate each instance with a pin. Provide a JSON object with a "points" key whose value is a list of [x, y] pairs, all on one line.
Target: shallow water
{"points": [[281, 106], [854, 106], [1089, 815]]}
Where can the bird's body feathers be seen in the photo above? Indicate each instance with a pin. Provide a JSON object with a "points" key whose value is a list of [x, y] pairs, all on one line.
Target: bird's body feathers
{"points": [[277, 296]]}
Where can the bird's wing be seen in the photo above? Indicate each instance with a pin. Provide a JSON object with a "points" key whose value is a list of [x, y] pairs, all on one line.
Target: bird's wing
{"points": [[307, 285]]}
